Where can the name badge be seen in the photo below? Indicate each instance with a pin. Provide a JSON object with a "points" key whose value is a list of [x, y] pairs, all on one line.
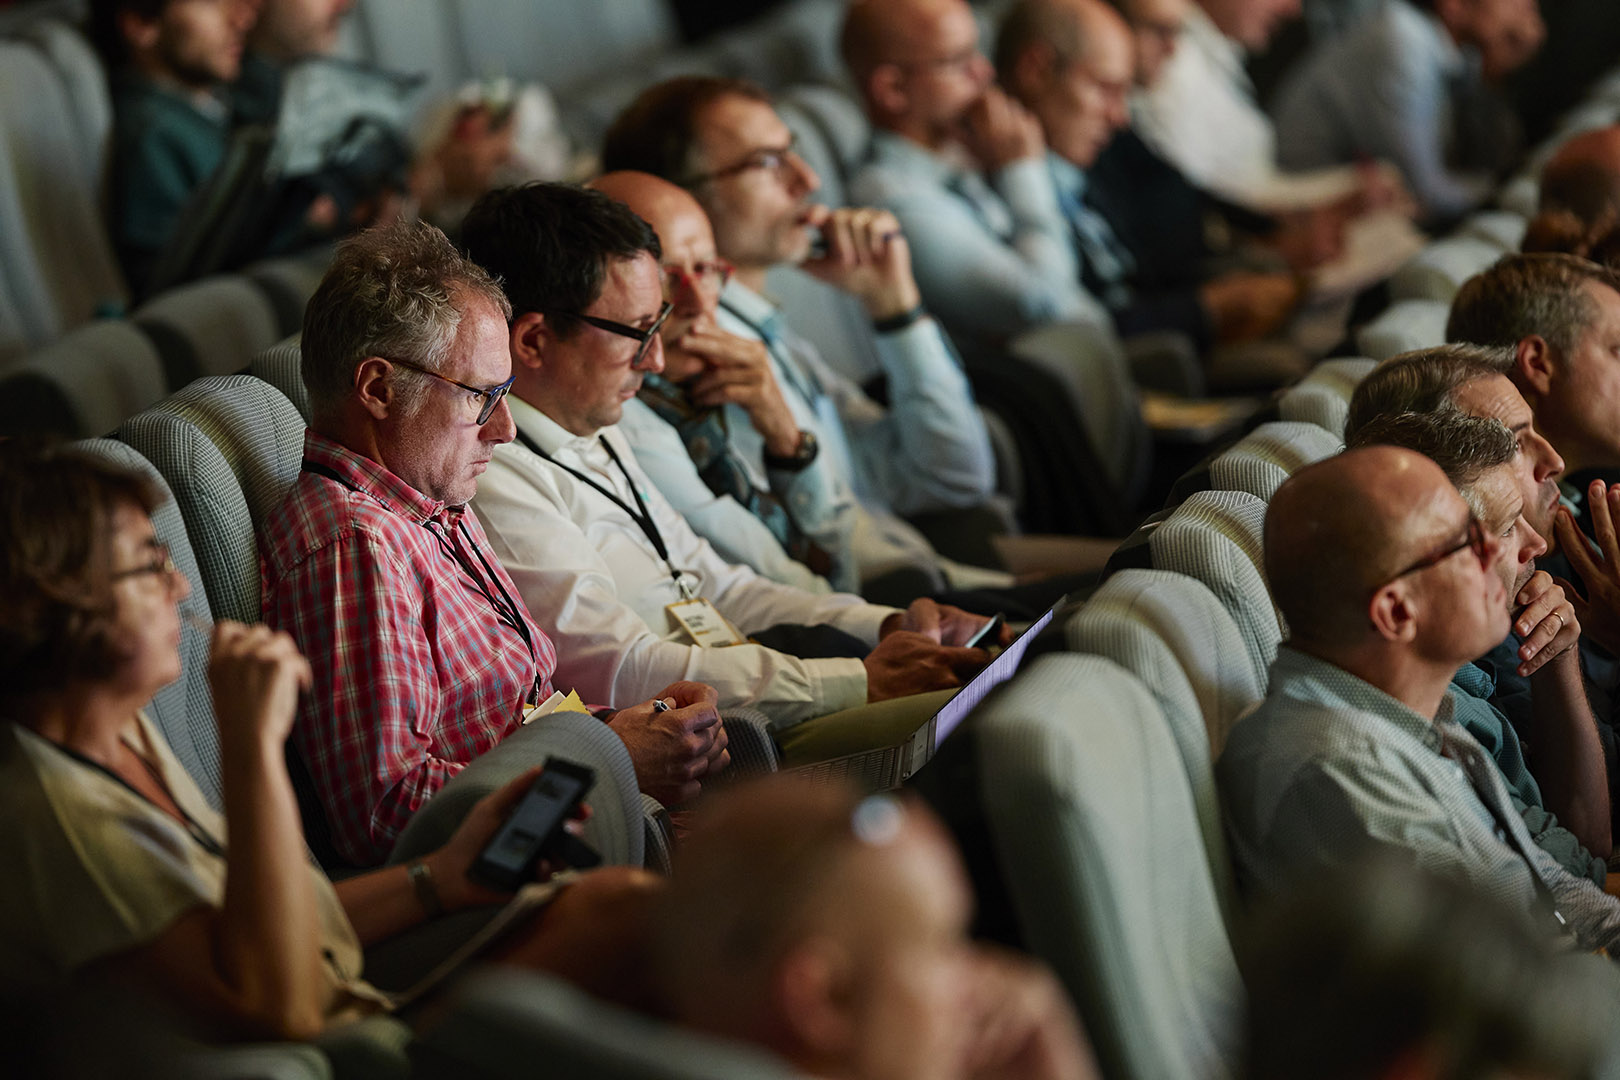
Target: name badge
{"points": [[703, 624]]}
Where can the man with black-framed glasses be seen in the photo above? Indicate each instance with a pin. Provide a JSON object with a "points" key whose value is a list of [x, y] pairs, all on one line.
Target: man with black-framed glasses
{"points": [[1388, 585]]}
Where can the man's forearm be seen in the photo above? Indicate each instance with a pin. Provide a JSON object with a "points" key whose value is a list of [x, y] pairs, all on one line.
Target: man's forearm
{"points": [[1567, 756]]}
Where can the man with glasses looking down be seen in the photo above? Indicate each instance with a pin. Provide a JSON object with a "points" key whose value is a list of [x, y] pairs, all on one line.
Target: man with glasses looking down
{"points": [[423, 653], [928, 449], [1388, 584], [632, 596]]}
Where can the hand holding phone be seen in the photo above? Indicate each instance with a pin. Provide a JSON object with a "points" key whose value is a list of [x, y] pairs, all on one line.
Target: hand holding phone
{"points": [[534, 830], [987, 635]]}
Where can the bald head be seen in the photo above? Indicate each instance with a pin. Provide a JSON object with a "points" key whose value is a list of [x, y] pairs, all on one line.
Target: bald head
{"points": [[1338, 529], [1583, 177], [786, 883], [1071, 63], [916, 63]]}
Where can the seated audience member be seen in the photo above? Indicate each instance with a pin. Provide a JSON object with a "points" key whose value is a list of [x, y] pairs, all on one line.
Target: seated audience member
{"points": [[1477, 455], [120, 867], [1072, 64], [1438, 114], [680, 428], [963, 167], [1388, 585], [171, 63], [1475, 380], [1561, 317], [423, 653], [928, 450], [1581, 181], [1429, 983], [1201, 115], [610, 569], [831, 930]]}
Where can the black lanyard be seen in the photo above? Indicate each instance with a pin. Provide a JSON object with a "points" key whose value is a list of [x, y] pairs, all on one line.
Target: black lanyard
{"points": [[506, 609], [194, 829], [643, 518]]}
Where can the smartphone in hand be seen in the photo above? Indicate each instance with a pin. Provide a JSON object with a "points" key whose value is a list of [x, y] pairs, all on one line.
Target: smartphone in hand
{"points": [[534, 829]]}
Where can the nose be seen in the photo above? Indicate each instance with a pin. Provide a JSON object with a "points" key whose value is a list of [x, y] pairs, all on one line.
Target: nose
{"points": [[180, 584], [653, 359], [500, 427], [1531, 546], [1548, 465], [802, 179], [685, 294]]}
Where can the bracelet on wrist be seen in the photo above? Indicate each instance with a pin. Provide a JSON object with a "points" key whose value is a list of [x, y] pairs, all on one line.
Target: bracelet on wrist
{"points": [[900, 321], [427, 894]]}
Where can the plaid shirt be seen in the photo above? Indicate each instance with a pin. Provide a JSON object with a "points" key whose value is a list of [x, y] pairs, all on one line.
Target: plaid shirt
{"points": [[416, 670]]}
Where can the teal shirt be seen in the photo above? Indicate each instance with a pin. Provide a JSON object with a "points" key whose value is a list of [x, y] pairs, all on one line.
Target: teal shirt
{"points": [[164, 146]]}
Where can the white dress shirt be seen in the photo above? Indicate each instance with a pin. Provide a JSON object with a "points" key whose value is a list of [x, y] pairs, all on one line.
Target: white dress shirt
{"points": [[1202, 117], [594, 581]]}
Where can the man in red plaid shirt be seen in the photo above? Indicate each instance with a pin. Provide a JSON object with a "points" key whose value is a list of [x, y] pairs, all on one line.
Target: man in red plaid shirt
{"points": [[423, 652]]}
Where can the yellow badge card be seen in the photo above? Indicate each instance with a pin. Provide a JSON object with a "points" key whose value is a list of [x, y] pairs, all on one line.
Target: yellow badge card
{"points": [[703, 624]]}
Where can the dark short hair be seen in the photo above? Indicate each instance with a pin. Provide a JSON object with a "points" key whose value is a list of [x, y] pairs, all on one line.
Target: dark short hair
{"points": [[1540, 294], [102, 28], [549, 244], [1421, 381], [56, 527], [1030, 22], [397, 292], [1464, 446], [657, 132]]}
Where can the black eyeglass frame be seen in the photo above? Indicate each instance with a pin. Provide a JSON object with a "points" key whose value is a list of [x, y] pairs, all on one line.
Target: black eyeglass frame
{"points": [[770, 158], [634, 333], [1475, 540], [161, 566], [491, 395]]}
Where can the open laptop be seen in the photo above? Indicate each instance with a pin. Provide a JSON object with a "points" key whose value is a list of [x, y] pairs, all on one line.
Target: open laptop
{"points": [[886, 767]]}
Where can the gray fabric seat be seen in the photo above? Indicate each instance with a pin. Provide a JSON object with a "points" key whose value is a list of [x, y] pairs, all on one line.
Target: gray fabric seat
{"points": [[1169, 631], [1314, 405], [279, 366], [288, 283], [1260, 461], [1503, 228], [506, 1022], [85, 383], [1216, 537], [229, 447], [1088, 805], [209, 327], [1340, 375], [1439, 270], [1404, 326]]}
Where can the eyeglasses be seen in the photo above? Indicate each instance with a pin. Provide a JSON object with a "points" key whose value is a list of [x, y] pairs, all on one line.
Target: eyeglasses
{"points": [[162, 565], [962, 59], [489, 395], [635, 333], [709, 276], [776, 161], [1475, 541]]}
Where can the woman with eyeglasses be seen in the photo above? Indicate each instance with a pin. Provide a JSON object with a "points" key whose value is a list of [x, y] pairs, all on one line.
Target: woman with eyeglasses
{"points": [[117, 864]]}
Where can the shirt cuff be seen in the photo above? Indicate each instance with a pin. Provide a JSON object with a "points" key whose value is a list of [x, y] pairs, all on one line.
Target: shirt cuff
{"points": [[837, 683], [864, 621]]}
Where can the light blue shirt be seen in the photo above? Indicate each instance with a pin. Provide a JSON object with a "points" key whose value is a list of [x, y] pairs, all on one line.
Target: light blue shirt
{"points": [[1330, 766], [992, 258], [1385, 89]]}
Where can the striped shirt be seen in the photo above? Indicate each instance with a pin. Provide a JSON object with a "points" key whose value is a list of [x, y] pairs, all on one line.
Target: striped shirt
{"points": [[422, 649]]}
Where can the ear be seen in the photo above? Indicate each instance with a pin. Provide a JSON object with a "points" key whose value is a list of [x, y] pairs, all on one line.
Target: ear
{"points": [[886, 89], [1032, 70], [1393, 614], [372, 388], [1534, 368], [531, 336], [814, 998]]}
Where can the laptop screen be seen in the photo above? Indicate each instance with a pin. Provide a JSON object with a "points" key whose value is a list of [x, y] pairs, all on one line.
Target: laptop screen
{"points": [[994, 674]]}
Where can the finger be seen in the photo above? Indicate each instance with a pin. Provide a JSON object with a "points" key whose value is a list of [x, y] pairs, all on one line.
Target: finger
{"points": [[1537, 612], [1539, 584], [1575, 546], [924, 616], [961, 659], [1597, 505]]}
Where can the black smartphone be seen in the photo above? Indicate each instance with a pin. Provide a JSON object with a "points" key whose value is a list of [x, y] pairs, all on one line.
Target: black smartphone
{"points": [[534, 827], [989, 634], [819, 247]]}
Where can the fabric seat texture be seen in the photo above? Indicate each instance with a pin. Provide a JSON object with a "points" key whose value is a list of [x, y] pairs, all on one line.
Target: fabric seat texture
{"points": [[85, 383]]}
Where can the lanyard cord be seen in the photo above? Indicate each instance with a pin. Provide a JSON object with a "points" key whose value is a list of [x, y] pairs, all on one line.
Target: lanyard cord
{"points": [[198, 834], [506, 609], [643, 518]]}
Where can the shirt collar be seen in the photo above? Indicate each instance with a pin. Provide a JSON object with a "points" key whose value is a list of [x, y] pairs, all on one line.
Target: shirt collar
{"points": [[1068, 176], [746, 304], [1200, 31], [372, 479], [545, 432], [912, 159], [1448, 56], [1308, 678]]}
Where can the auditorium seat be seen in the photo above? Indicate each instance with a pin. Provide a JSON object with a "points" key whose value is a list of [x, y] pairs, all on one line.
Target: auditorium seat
{"points": [[209, 327], [1438, 271], [1215, 537], [279, 366], [1087, 804], [1171, 633], [288, 282], [1260, 461], [501, 1021], [1404, 326], [1503, 228], [85, 383], [1314, 405]]}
